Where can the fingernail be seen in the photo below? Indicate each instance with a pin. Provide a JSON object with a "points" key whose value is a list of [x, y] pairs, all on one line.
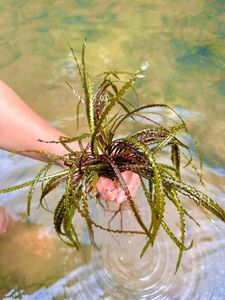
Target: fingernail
{"points": [[110, 194], [121, 199]]}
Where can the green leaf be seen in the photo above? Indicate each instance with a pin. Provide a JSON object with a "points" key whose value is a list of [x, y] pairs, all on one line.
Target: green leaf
{"points": [[106, 111], [35, 181]]}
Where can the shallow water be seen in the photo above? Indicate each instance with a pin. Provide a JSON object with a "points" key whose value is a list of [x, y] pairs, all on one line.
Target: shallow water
{"points": [[184, 43]]}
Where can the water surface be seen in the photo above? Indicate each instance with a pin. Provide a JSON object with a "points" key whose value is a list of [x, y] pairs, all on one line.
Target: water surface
{"points": [[184, 43]]}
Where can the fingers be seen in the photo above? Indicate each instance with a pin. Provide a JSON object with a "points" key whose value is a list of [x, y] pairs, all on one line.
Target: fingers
{"points": [[5, 220], [108, 189], [133, 181]]}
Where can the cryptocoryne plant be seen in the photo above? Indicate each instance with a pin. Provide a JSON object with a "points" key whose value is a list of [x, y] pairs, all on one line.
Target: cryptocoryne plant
{"points": [[104, 153]]}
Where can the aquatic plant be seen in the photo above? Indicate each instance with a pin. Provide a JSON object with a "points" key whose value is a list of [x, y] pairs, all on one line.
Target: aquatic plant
{"points": [[104, 153]]}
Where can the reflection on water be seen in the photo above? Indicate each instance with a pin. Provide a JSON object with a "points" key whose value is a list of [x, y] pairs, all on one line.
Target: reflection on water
{"points": [[184, 42], [34, 262]]}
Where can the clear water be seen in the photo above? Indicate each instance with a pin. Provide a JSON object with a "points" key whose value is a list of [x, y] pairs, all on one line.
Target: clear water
{"points": [[184, 43]]}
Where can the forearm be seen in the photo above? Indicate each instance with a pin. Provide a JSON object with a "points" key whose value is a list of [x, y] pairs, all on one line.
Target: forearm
{"points": [[21, 127]]}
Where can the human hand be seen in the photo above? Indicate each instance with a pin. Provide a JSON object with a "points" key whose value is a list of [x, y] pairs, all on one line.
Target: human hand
{"points": [[6, 220], [108, 189]]}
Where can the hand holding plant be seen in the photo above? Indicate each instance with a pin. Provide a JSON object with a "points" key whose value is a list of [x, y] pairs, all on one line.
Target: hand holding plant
{"points": [[114, 165]]}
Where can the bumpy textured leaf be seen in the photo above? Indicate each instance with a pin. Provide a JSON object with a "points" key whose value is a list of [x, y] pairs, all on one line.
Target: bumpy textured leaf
{"points": [[102, 153]]}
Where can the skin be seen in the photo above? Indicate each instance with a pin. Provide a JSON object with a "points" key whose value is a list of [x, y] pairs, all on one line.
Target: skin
{"points": [[20, 129], [6, 220]]}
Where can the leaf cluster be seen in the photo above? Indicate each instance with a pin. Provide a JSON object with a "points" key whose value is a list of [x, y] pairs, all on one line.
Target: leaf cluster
{"points": [[103, 153]]}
